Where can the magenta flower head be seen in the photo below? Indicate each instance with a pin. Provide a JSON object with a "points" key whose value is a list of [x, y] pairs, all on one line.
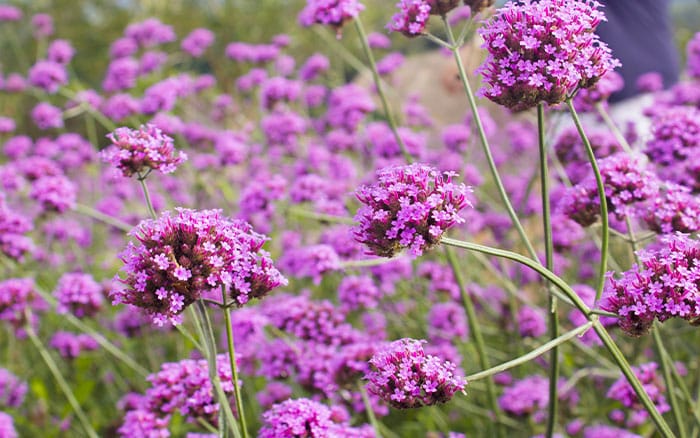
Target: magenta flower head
{"points": [[141, 151], [78, 294], [542, 52], [305, 418], [693, 56], [333, 13], [412, 17], [666, 285], [653, 384], [410, 207], [405, 377], [185, 253]]}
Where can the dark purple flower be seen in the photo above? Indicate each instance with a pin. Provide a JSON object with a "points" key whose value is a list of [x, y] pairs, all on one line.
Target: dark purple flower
{"points": [[409, 207], [405, 377], [181, 256], [143, 150], [541, 51]]}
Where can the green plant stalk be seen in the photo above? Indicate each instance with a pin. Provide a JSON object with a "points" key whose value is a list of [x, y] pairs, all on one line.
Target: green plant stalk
{"points": [[604, 336], [549, 264], [554, 343], [147, 195], [65, 388], [99, 216], [666, 362], [380, 90], [234, 366], [603, 113], [605, 231], [475, 330], [227, 421], [368, 408], [485, 144]]}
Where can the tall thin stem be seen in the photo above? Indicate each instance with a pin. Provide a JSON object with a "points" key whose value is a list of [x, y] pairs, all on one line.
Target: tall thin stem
{"points": [[605, 230], [604, 336], [65, 388], [549, 264], [610, 123], [234, 366], [485, 143], [368, 408], [147, 196], [475, 331], [380, 90]]}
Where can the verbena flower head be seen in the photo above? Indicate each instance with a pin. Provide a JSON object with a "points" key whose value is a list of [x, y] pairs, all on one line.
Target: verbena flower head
{"points": [[333, 13], [13, 228], [305, 418], [185, 253], [17, 295], [587, 98], [693, 53], [653, 385], [410, 207], [666, 285], [12, 390], [477, 6], [7, 426], [142, 150], [541, 51], [71, 345], [78, 294], [412, 17], [405, 377], [674, 209]]}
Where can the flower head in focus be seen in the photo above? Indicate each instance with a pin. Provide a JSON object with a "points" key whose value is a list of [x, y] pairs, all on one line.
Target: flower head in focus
{"points": [[333, 13]]}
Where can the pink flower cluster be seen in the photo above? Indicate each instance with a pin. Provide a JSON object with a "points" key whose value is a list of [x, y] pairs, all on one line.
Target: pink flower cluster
{"points": [[307, 418], [405, 377], [542, 51], [409, 207], [79, 294], [140, 151], [653, 384], [334, 13], [666, 285], [184, 254]]}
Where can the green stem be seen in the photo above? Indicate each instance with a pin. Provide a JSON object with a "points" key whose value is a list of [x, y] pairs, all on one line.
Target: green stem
{"points": [[549, 264], [370, 412], [147, 195], [65, 388], [485, 144], [531, 355], [234, 366], [603, 113], [475, 331], [98, 215], [605, 232], [604, 336], [207, 334], [380, 90], [666, 365], [321, 217]]}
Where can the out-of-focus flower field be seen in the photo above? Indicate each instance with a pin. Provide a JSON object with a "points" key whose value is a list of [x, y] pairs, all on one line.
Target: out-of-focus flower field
{"points": [[344, 218]]}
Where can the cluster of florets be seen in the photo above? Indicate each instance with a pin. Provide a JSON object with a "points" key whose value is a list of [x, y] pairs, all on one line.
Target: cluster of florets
{"points": [[12, 390], [410, 207], [542, 52], [653, 385], [571, 153], [675, 146], [7, 426], [666, 285], [307, 418], [17, 295], [180, 256], [197, 42], [626, 183], [334, 13], [13, 227], [530, 396], [405, 377], [78, 294], [182, 388], [140, 151], [54, 193], [359, 292], [693, 56], [412, 17], [675, 209], [71, 345]]}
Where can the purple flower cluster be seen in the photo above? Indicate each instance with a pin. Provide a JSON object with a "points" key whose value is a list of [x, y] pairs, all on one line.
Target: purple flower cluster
{"points": [[530, 396], [334, 13], [653, 385], [18, 295], [48, 75], [675, 146], [13, 227], [675, 209], [666, 285], [12, 390], [182, 388], [693, 56], [54, 193], [79, 294], [409, 207], [197, 42], [542, 51], [405, 377], [359, 292], [306, 418], [180, 256], [7, 425], [140, 151], [412, 17], [70, 345], [587, 98], [626, 183], [571, 152]]}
